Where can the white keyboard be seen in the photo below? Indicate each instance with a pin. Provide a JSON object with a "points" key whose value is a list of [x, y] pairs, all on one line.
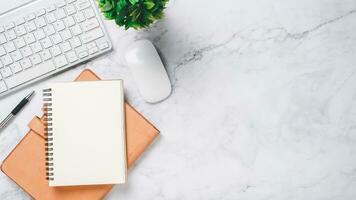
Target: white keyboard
{"points": [[48, 40]]}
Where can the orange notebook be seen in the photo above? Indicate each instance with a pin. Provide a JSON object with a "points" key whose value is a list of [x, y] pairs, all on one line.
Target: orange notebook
{"points": [[25, 165]]}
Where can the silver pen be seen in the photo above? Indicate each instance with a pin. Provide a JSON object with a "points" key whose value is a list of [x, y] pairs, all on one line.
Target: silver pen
{"points": [[16, 110]]}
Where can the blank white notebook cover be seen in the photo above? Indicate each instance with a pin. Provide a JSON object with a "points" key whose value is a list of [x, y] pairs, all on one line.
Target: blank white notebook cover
{"points": [[88, 133]]}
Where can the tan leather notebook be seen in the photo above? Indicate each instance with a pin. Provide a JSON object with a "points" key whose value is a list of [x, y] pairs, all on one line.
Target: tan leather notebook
{"points": [[25, 165]]}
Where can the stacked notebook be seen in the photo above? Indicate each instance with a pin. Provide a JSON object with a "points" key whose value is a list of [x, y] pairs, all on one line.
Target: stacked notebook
{"points": [[88, 147]]}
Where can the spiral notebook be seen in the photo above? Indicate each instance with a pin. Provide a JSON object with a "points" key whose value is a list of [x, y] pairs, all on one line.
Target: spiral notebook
{"points": [[96, 152]]}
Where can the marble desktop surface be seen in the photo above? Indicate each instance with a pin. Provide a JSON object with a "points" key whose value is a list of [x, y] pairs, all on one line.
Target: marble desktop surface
{"points": [[263, 103]]}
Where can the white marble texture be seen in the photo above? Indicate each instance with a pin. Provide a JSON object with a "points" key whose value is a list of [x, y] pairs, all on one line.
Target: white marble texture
{"points": [[263, 107]]}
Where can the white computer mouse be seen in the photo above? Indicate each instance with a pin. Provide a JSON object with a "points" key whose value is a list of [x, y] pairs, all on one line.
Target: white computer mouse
{"points": [[148, 71]]}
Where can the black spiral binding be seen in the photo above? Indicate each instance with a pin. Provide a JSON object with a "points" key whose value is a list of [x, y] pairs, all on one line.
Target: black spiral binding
{"points": [[47, 107]]}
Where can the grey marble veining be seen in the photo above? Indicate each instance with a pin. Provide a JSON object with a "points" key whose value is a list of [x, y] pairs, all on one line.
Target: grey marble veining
{"points": [[263, 105]]}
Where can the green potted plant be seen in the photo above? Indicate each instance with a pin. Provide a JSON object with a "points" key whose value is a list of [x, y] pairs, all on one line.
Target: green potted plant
{"points": [[133, 13]]}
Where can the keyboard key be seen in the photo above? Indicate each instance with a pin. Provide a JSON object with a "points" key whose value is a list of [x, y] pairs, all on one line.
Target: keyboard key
{"points": [[89, 13], [82, 4], [40, 12], [79, 17], [30, 74], [66, 47], [39, 34], [36, 47], [61, 14], [16, 56], [93, 50], [75, 42], [16, 68], [6, 60], [25, 63], [70, 9], [30, 17], [46, 43], [2, 39], [56, 51], [76, 30], [9, 26], [90, 24], [51, 18], [69, 21], [49, 29], [56, 39], [91, 45], [20, 21], [58, 25], [29, 38], [35, 59], [26, 51], [83, 54], [92, 35], [40, 22], [2, 51], [2, 29], [10, 35], [3, 87], [20, 30], [6, 72], [51, 8], [72, 57], [66, 35], [30, 26], [20, 42], [10, 47], [61, 4], [45, 55], [60, 61]]}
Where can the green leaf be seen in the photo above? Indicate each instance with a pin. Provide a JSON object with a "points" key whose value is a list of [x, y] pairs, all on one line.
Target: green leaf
{"points": [[149, 4], [107, 7], [109, 15], [133, 2], [120, 4], [132, 24], [150, 17]]}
